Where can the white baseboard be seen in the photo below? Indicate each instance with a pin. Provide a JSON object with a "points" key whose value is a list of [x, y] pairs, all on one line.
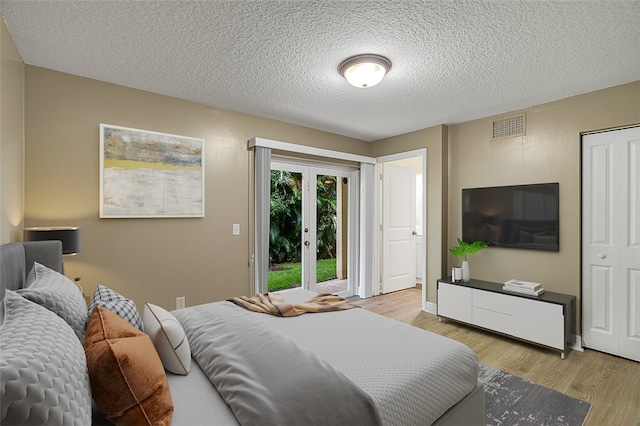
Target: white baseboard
{"points": [[578, 345], [430, 308]]}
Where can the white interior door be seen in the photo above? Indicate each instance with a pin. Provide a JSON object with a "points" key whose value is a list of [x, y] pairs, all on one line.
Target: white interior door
{"points": [[611, 242], [398, 227]]}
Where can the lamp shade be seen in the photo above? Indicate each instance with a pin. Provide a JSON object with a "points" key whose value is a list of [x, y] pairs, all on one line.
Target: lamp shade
{"points": [[71, 236]]}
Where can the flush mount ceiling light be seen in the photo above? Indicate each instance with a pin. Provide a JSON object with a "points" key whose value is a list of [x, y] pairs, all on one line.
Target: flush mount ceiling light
{"points": [[364, 70]]}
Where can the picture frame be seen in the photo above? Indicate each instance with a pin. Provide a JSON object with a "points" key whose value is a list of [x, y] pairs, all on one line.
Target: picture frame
{"points": [[147, 174]]}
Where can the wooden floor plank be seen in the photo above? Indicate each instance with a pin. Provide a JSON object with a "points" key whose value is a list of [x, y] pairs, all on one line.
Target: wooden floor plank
{"points": [[611, 384]]}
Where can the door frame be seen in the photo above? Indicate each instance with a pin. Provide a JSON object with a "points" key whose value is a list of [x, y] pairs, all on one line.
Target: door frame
{"points": [[309, 168], [369, 203], [261, 160], [422, 152]]}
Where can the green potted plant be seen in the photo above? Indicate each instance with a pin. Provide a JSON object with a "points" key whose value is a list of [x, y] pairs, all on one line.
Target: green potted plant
{"points": [[463, 249]]}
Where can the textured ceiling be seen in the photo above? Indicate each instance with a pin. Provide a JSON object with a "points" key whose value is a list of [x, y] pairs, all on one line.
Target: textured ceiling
{"points": [[453, 61]]}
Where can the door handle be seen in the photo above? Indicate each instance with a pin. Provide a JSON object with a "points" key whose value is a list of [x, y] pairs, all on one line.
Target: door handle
{"points": [[602, 256], [414, 233]]}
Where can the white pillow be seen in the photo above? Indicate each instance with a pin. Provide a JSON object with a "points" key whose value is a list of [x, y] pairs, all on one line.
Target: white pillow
{"points": [[43, 368], [168, 337], [57, 293]]}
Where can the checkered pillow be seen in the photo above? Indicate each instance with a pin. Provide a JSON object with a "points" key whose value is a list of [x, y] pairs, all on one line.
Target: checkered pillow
{"points": [[116, 303]]}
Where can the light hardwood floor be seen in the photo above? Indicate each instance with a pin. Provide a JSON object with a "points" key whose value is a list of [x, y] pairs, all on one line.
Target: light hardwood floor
{"points": [[609, 383]]}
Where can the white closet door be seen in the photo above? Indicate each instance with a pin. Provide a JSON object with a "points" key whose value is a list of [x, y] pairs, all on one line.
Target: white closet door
{"points": [[611, 242], [630, 247]]}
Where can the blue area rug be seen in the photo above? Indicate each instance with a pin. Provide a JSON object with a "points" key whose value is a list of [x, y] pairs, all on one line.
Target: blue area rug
{"points": [[511, 400]]}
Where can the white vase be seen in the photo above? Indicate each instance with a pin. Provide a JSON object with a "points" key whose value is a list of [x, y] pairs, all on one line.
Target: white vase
{"points": [[466, 274]]}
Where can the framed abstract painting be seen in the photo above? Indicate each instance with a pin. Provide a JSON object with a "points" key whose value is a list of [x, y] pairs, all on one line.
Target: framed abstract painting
{"points": [[146, 174]]}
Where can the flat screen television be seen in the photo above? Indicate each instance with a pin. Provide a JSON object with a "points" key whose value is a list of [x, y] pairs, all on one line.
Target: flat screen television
{"points": [[520, 216]]}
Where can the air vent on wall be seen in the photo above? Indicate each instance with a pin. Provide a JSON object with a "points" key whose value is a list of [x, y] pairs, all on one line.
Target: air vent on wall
{"points": [[508, 127]]}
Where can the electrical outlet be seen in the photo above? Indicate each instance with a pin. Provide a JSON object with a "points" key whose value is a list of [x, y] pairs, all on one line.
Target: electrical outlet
{"points": [[236, 229], [180, 302]]}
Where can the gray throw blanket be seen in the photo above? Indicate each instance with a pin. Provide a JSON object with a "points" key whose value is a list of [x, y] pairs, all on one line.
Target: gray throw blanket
{"points": [[265, 377]]}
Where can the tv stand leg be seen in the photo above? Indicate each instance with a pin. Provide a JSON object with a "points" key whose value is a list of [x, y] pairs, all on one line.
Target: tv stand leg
{"points": [[562, 355]]}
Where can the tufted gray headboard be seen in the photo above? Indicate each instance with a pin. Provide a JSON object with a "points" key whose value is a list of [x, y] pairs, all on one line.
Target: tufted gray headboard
{"points": [[16, 260]]}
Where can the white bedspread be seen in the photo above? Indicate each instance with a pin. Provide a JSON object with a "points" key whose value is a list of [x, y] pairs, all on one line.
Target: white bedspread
{"points": [[412, 375], [265, 377]]}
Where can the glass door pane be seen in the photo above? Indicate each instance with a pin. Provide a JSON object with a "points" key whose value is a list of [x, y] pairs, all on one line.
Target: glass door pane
{"points": [[285, 229], [331, 233]]}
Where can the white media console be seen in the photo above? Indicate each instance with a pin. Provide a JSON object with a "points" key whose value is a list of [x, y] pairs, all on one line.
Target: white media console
{"points": [[548, 320]]}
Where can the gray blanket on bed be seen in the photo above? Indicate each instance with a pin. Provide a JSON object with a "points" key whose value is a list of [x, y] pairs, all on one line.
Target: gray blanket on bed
{"points": [[265, 377]]}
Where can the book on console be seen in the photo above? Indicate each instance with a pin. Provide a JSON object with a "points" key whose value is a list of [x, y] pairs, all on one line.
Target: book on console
{"points": [[516, 289], [525, 285]]}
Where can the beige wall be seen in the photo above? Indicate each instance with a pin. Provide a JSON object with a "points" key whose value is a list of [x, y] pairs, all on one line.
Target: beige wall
{"points": [[434, 139], [157, 260], [550, 152], [11, 138], [149, 260]]}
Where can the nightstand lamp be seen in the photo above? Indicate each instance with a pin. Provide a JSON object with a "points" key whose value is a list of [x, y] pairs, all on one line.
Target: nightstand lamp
{"points": [[71, 237]]}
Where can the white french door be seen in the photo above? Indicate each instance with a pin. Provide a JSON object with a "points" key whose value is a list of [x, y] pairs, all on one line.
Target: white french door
{"points": [[611, 242], [324, 211]]}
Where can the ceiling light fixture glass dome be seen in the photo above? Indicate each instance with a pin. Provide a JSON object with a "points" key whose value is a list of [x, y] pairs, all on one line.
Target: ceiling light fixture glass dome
{"points": [[364, 70]]}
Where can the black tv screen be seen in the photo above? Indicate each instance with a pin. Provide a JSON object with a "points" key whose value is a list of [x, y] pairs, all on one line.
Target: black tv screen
{"points": [[521, 216]]}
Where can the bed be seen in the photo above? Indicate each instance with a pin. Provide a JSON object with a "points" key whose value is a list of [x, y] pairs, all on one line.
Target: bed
{"points": [[345, 367]]}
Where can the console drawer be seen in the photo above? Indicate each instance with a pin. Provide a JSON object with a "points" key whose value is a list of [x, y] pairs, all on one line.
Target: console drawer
{"points": [[492, 320], [493, 301]]}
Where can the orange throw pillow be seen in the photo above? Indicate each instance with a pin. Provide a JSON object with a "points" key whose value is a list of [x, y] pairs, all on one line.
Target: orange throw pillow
{"points": [[128, 381]]}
